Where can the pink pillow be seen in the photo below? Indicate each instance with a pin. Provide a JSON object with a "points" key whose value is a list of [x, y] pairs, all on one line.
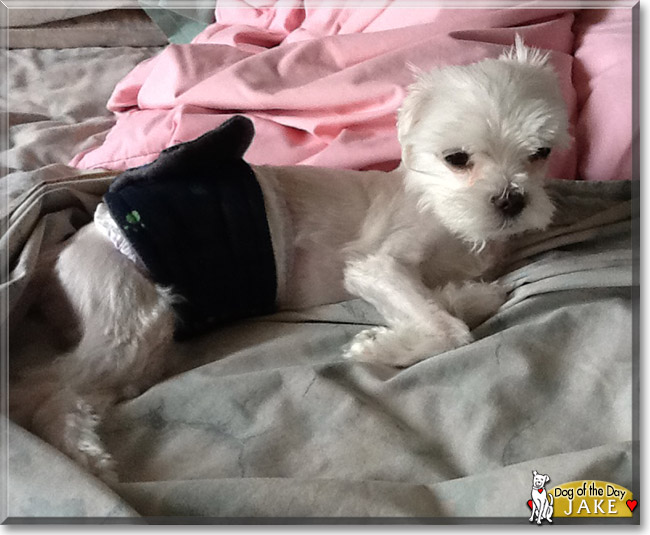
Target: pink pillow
{"points": [[603, 82]]}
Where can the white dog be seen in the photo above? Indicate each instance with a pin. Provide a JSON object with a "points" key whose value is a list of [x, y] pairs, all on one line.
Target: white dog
{"points": [[417, 243], [541, 504]]}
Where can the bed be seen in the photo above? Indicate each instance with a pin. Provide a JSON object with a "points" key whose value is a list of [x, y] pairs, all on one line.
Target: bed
{"points": [[263, 421]]}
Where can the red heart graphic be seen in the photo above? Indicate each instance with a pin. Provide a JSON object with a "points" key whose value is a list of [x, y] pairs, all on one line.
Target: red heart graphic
{"points": [[632, 504], [540, 490], [530, 503]]}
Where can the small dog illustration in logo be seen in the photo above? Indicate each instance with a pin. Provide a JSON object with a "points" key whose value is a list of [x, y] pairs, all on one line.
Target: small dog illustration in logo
{"points": [[541, 504]]}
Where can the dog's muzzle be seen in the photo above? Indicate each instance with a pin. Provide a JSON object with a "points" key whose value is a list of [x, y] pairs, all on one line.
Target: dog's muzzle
{"points": [[510, 203]]}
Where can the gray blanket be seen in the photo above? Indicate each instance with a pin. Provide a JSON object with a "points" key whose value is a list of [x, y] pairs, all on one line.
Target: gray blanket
{"points": [[265, 419]]}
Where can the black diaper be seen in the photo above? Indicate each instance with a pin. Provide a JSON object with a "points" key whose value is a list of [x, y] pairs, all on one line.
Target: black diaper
{"points": [[197, 220]]}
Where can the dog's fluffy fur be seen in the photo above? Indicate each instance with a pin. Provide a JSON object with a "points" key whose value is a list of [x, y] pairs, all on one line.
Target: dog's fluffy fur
{"points": [[416, 243]]}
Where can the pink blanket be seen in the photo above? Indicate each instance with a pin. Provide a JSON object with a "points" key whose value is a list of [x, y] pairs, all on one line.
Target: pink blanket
{"points": [[322, 85]]}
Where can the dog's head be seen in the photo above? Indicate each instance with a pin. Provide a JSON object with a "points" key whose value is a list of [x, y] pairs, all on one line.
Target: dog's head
{"points": [[476, 141], [539, 480]]}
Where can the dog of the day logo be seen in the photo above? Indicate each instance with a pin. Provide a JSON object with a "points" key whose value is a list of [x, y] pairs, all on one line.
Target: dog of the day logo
{"points": [[541, 502], [579, 499]]}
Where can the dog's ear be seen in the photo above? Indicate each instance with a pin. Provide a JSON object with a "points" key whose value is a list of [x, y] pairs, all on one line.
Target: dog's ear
{"points": [[535, 472], [411, 110], [520, 53], [546, 479]]}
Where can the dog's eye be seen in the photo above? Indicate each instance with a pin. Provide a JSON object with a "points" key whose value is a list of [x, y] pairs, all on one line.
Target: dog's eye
{"points": [[458, 159], [540, 154]]}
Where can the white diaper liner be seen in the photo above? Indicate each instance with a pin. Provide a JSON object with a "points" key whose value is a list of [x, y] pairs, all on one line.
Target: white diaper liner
{"points": [[108, 227]]}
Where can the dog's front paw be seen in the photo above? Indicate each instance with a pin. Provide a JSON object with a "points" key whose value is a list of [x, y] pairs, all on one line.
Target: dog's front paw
{"points": [[364, 346], [404, 345]]}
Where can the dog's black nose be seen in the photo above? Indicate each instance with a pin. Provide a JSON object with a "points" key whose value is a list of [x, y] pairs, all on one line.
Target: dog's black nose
{"points": [[510, 203]]}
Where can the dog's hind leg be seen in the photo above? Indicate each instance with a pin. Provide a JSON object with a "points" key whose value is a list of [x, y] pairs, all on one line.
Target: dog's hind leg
{"points": [[69, 421], [126, 324]]}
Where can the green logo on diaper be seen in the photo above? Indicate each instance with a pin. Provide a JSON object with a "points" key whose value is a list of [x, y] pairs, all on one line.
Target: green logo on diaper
{"points": [[133, 221]]}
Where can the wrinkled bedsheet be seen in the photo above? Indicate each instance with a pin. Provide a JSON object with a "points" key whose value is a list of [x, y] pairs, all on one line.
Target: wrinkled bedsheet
{"points": [[264, 419]]}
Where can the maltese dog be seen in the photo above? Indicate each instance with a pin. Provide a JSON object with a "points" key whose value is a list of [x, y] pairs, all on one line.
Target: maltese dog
{"points": [[418, 243]]}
